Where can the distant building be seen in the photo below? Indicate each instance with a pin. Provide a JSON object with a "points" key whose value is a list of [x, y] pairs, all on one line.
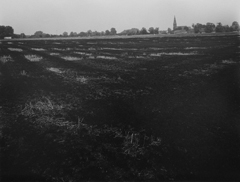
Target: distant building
{"points": [[179, 29], [174, 23], [163, 32]]}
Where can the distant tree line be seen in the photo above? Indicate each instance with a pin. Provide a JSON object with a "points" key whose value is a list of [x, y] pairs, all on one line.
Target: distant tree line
{"points": [[210, 27], [7, 31], [135, 31]]}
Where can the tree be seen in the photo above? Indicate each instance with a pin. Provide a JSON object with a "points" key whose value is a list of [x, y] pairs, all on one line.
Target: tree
{"points": [[6, 31], [235, 26], [198, 27], [143, 31], [107, 32], [156, 30], [65, 34], [71, 34], [219, 27], [89, 32], [113, 31], [151, 30], [16, 36], [38, 34], [82, 34], [226, 28], [132, 31], [47, 35], [169, 30], [186, 28], [22, 35], [9, 31], [209, 27], [96, 33]]}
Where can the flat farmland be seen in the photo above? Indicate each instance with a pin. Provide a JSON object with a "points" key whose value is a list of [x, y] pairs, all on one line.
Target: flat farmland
{"points": [[160, 108]]}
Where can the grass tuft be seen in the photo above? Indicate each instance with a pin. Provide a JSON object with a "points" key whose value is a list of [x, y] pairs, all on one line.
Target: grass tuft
{"points": [[42, 106], [5, 59], [23, 73]]}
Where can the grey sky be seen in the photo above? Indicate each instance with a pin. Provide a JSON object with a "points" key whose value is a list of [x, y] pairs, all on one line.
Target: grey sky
{"points": [[57, 16]]}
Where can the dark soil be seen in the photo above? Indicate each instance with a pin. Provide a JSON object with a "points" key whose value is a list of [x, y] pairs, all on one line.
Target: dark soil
{"points": [[127, 109]]}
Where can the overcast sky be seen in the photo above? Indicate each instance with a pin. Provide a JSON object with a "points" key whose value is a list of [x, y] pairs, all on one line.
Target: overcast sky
{"points": [[57, 16]]}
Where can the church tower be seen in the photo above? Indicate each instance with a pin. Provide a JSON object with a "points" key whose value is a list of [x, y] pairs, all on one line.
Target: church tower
{"points": [[174, 23]]}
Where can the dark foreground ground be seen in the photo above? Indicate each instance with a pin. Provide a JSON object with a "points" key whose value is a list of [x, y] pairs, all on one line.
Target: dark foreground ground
{"points": [[121, 109]]}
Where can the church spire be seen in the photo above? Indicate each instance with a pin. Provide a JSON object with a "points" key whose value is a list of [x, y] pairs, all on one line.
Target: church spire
{"points": [[174, 23]]}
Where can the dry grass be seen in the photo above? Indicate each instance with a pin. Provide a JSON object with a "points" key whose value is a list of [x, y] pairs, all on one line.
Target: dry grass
{"points": [[54, 54], [107, 57], [174, 54], [15, 49], [38, 49], [33, 58], [70, 58], [195, 48], [83, 53], [58, 49], [55, 70]]}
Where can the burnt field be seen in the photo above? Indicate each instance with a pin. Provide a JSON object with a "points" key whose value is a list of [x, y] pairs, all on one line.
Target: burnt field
{"points": [[120, 109]]}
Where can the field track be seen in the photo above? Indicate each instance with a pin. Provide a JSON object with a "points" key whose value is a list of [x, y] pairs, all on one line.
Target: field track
{"points": [[169, 106]]}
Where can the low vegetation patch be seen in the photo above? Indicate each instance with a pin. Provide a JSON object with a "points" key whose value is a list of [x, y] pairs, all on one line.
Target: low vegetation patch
{"points": [[87, 152], [69, 75], [229, 62], [82, 79], [207, 70]]}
